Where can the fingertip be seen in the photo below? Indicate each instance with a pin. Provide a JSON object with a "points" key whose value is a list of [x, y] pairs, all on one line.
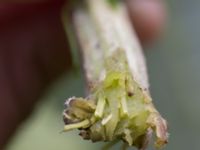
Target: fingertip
{"points": [[148, 17]]}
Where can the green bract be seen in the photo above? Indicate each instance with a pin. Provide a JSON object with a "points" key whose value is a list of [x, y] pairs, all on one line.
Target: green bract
{"points": [[117, 108]]}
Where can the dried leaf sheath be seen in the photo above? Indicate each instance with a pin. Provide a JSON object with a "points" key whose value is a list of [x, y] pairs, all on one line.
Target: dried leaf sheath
{"points": [[118, 105]]}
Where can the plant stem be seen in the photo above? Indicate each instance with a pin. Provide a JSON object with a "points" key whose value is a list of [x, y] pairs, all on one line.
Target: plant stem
{"points": [[119, 104], [101, 31]]}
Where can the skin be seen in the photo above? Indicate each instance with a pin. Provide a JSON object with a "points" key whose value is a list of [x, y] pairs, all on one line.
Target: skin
{"points": [[34, 52]]}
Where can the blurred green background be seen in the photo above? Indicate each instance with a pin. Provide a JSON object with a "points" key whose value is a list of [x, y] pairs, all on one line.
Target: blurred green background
{"points": [[174, 72]]}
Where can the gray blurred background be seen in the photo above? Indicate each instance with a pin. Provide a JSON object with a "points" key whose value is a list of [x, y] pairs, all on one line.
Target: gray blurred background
{"points": [[174, 72]]}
